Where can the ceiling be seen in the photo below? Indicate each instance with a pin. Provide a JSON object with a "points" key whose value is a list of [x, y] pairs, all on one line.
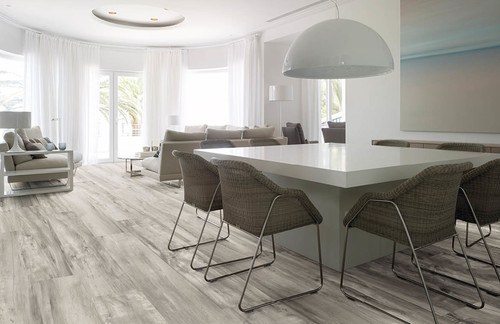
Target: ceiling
{"points": [[207, 21], [431, 27]]}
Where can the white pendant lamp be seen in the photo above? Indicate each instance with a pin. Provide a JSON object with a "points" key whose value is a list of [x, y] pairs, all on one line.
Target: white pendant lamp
{"points": [[338, 49]]}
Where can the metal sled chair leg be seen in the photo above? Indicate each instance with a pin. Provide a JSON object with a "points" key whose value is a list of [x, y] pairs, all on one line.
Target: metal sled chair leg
{"points": [[194, 244], [201, 190], [258, 206], [393, 215]]}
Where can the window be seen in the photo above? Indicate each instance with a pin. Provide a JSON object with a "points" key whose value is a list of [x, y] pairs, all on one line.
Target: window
{"points": [[120, 115], [206, 99], [331, 100], [11, 82]]}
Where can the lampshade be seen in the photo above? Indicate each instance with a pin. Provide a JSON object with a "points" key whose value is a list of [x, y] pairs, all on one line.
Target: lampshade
{"points": [[280, 93], [338, 49], [15, 119], [174, 120]]}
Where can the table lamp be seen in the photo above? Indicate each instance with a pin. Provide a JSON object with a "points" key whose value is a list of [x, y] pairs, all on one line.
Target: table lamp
{"points": [[15, 120], [280, 93]]}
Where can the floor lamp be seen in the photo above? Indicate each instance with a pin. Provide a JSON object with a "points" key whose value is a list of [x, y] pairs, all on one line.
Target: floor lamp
{"points": [[15, 120], [280, 93]]}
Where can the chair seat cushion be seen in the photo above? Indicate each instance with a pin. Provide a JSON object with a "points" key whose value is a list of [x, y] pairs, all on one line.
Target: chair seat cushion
{"points": [[52, 161], [152, 164]]}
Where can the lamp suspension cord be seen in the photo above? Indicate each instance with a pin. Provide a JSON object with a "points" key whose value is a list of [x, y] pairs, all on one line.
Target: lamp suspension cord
{"points": [[336, 6]]}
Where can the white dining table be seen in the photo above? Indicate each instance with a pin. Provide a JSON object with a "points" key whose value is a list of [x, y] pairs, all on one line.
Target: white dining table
{"points": [[334, 176]]}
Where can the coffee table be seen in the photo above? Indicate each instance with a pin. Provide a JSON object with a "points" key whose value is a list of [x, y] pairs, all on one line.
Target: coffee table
{"points": [[130, 169]]}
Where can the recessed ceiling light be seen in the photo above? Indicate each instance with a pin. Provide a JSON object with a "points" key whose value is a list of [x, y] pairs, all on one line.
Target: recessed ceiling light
{"points": [[138, 15]]}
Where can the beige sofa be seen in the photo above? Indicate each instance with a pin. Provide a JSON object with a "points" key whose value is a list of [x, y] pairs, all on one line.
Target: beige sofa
{"points": [[27, 162], [165, 167]]}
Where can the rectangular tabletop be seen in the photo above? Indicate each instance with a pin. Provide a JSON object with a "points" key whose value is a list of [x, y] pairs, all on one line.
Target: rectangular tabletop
{"points": [[344, 165]]}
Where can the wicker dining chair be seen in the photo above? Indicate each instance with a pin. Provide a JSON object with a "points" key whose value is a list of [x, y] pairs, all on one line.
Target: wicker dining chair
{"points": [[263, 142], [417, 213], [258, 206], [396, 143], [201, 191], [468, 147], [479, 203], [216, 143]]}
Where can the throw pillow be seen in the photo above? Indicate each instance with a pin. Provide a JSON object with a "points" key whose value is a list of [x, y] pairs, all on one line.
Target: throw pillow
{"points": [[223, 134], [35, 147], [173, 136], [258, 132], [9, 139]]}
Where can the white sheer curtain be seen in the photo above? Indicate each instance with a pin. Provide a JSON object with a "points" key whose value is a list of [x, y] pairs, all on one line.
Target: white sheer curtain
{"points": [[254, 82], [164, 74], [246, 101], [311, 110], [236, 82], [62, 90]]}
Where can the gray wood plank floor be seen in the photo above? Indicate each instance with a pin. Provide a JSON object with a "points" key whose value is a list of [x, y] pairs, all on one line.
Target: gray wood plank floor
{"points": [[99, 255]]}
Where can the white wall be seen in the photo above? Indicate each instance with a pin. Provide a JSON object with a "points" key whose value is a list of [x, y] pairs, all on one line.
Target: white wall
{"points": [[373, 104], [274, 54], [122, 59], [11, 38], [207, 58]]}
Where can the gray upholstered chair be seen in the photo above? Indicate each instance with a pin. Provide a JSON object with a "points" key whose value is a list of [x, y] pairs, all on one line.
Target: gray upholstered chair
{"points": [[417, 213], [479, 203], [468, 147], [258, 206], [295, 133], [396, 143], [201, 191], [216, 143], [333, 135], [263, 142]]}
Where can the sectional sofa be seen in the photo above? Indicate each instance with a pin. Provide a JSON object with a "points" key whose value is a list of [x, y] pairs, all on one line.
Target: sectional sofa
{"points": [[165, 167]]}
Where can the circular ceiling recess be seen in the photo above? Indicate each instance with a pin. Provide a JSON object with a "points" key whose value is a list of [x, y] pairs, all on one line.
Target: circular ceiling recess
{"points": [[138, 16]]}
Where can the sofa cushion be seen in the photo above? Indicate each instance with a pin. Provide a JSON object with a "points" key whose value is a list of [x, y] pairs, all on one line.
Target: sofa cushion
{"points": [[174, 136], [216, 127], [27, 133], [152, 164], [335, 124], [195, 128], [258, 132], [52, 161], [231, 127], [223, 134], [9, 139]]}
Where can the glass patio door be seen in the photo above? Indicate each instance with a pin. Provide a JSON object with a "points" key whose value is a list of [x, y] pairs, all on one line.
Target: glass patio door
{"points": [[120, 115]]}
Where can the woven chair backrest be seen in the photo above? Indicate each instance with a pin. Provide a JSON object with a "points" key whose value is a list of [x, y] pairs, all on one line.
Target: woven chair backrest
{"points": [[248, 195], [467, 147], [200, 179], [482, 186], [428, 200]]}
